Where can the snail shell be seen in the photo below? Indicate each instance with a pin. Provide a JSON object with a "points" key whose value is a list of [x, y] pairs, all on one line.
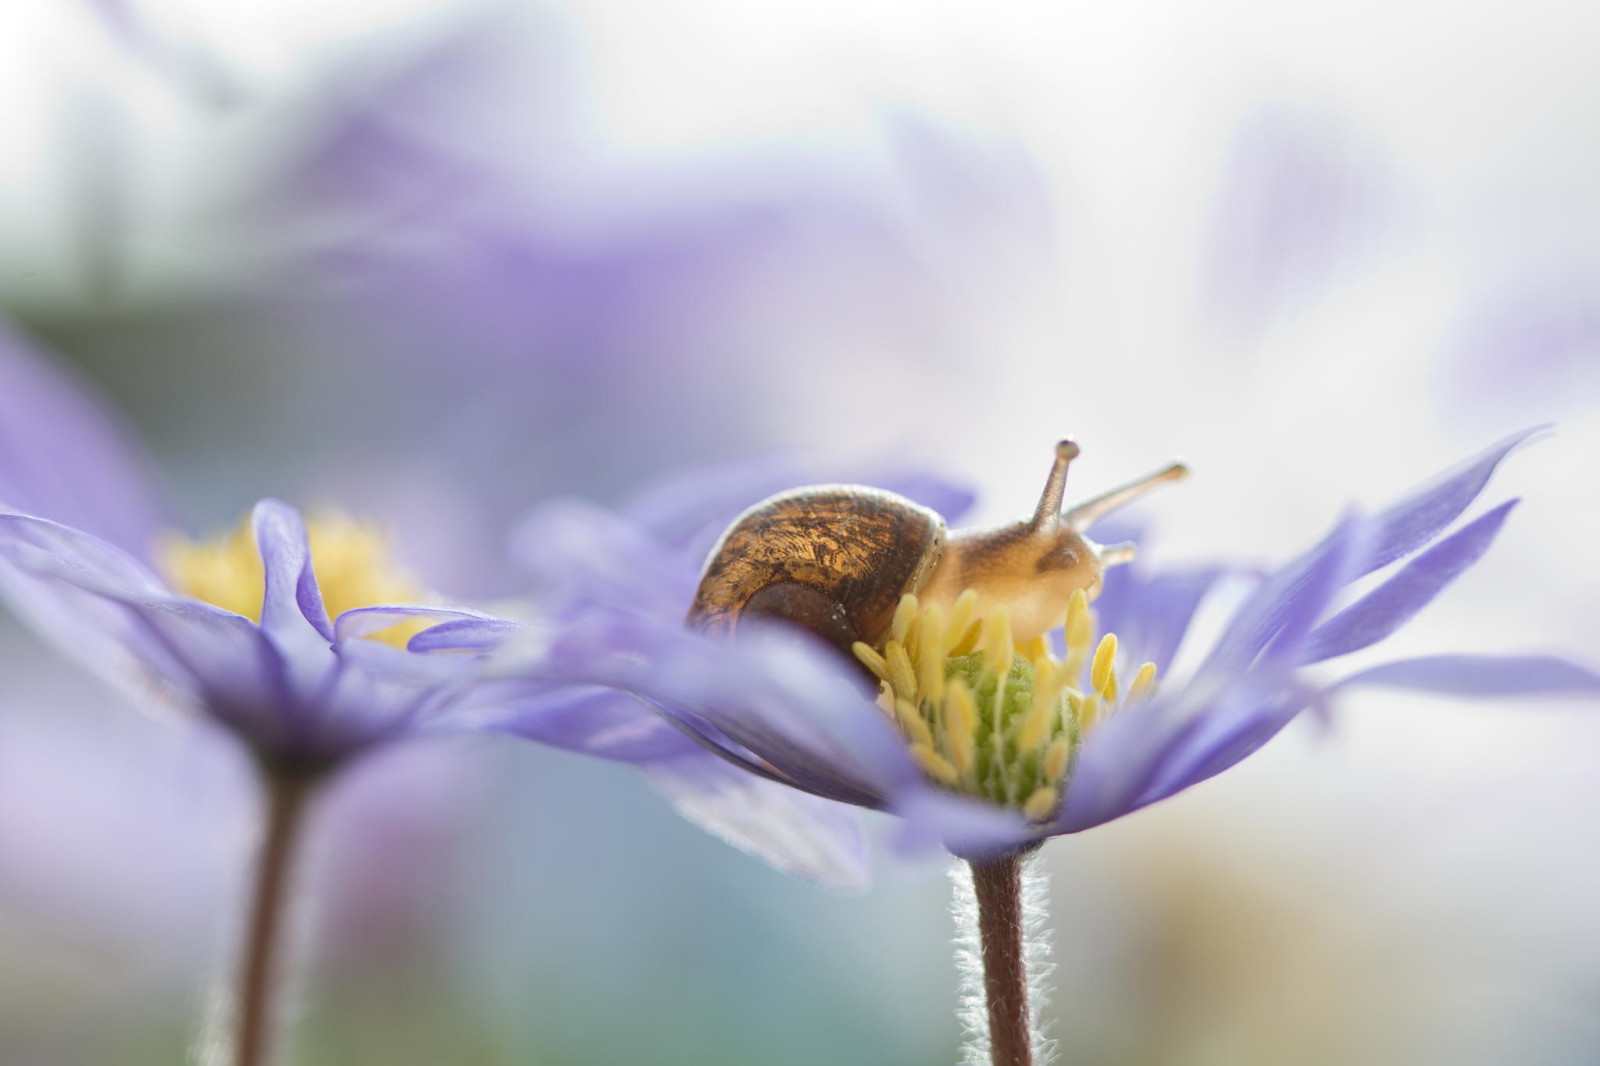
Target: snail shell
{"points": [[834, 559]]}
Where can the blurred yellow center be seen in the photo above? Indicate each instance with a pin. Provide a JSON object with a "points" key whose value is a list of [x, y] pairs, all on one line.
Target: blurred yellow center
{"points": [[352, 561], [991, 717]]}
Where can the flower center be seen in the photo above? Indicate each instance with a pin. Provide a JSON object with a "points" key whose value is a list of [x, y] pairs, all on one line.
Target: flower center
{"points": [[353, 564], [992, 718]]}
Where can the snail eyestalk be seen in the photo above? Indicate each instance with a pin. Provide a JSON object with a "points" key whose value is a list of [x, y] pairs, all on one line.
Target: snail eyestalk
{"points": [[1048, 513], [1091, 511]]}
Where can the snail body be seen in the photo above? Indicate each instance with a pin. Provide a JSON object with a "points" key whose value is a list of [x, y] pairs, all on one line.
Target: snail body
{"points": [[836, 560]]}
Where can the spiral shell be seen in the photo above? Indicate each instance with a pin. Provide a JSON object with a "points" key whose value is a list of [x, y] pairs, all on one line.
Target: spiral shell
{"points": [[834, 559]]}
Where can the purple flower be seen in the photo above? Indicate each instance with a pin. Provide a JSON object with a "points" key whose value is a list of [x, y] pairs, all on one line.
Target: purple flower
{"points": [[978, 740], [293, 638]]}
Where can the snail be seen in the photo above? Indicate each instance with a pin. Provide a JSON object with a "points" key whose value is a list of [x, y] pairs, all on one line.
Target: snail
{"points": [[836, 559]]}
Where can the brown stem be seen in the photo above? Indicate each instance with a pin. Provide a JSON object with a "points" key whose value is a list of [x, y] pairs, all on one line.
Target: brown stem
{"points": [[998, 886], [285, 798]]}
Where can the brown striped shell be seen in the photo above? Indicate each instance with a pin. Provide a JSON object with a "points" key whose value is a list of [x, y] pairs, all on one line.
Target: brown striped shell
{"points": [[834, 559]]}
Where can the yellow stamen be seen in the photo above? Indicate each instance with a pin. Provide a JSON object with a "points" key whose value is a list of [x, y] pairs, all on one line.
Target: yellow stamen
{"points": [[871, 660], [960, 724], [1143, 682], [1079, 631], [988, 716], [1103, 673], [903, 615], [998, 648], [911, 723], [1055, 759], [1041, 804], [902, 675], [935, 765], [352, 562], [962, 614]]}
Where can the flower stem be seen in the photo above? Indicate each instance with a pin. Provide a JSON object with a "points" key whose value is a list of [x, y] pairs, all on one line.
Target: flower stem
{"points": [[1002, 932], [285, 798]]}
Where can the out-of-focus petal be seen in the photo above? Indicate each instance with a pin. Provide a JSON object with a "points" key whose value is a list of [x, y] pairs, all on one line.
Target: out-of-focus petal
{"points": [[965, 827], [1481, 675], [591, 721], [364, 621], [796, 706], [1150, 614], [1150, 752], [466, 634], [67, 583], [1393, 603], [791, 830], [291, 601], [65, 456], [1405, 526], [1283, 597], [568, 544]]}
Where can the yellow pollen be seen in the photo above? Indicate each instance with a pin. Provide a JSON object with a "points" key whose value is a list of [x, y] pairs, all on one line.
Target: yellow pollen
{"points": [[990, 717], [1041, 804], [1143, 682], [351, 559], [1103, 674]]}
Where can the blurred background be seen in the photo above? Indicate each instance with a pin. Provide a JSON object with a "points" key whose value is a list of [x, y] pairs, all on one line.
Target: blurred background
{"points": [[437, 260]]}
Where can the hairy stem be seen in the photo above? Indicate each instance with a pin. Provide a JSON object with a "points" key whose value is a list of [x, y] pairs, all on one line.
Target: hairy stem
{"points": [[285, 799], [1002, 934]]}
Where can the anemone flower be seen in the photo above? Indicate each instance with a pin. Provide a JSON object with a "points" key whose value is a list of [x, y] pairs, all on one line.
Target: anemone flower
{"points": [[961, 714], [291, 635]]}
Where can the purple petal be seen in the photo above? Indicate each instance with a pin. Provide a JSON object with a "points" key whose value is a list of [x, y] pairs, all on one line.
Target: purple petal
{"points": [[59, 578], [965, 827], [1417, 519], [795, 705], [373, 692], [1150, 752], [227, 666], [678, 507], [579, 549], [1482, 675], [291, 601], [1295, 594], [1150, 614], [465, 634], [591, 721], [65, 456], [1392, 604], [801, 834], [363, 621], [103, 607]]}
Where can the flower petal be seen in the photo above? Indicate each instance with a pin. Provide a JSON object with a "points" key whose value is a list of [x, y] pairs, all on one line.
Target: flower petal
{"points": [[792, 831], [1393, 603], [1150, 613], [65, 456], [1292, 596], [60, 579], [591, 721], [466, 634], [1482, 675], [1407, 525], [579, 550], [1150, 752], [791, 703], [965, 827], [363, 621], [292, 603]]}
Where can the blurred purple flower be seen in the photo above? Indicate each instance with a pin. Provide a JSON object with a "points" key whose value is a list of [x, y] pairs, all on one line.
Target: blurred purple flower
{"points": [[789, 714], [1528, 342], [466, 214], [265, 658], [1299, 205]]}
